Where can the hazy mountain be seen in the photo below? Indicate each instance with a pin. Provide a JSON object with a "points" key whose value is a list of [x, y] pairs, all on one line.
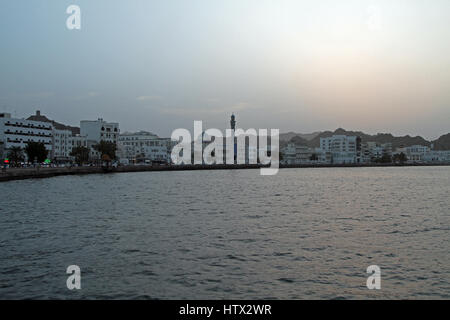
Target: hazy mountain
{"points": [[299, 141], [307, 136], [443, 143]]}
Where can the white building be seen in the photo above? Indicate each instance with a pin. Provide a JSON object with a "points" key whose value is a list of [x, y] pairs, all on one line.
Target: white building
{"points": [[323, 157], [64, 142], [343, 149], [61, 144], [374, 150], [289, 154], [94, 131], [61, 137], [17, 132], [99, 130], [144, 146], [297, 154], [414, 153], [436, 156], [78, 141]]}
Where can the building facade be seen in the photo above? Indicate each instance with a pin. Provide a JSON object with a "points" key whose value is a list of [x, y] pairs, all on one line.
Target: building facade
{"points": [[370, 151], [297, 154], [437, 156], [415, 154], [343, 149], [144, 146], [100, 130], [17, 132], [61, 145]]}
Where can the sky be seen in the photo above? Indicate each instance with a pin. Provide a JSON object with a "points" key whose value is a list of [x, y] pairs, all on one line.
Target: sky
{"points": [[303, 66]]}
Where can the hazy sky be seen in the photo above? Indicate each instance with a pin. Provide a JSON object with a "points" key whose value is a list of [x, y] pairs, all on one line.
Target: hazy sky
{"points": [[376, 66]]}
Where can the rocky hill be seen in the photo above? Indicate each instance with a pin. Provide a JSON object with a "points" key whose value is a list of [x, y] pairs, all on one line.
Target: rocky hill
{"points": [[307, 136], [443, 143], [57, 125]]}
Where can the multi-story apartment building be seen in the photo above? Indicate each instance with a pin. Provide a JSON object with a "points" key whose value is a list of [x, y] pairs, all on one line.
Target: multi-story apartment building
{"points": [[323, 157], [61, 145], [144, 146], [436, 156], [297, 154], [95, 131], [17, 132], [289, 154], [99, 130], [373, 150], [64, 138], [414, 153], [343, 149], [78, 141]]}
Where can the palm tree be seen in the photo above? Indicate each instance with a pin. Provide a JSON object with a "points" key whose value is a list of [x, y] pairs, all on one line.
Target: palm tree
{"points": [[15, 155], [106, 148], [36, 151]]}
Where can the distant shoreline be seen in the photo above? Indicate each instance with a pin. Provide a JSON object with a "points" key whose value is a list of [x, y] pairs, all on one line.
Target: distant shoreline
{"points": [[34, 173]]}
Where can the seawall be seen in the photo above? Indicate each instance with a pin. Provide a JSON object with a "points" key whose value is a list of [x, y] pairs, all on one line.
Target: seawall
{"points": [[37, 173]]}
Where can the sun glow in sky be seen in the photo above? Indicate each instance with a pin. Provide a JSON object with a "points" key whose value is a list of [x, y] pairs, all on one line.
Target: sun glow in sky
{"points": [[376, 66]]}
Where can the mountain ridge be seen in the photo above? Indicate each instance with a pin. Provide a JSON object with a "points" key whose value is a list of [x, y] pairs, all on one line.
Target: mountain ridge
{"points": [[442, 143]]}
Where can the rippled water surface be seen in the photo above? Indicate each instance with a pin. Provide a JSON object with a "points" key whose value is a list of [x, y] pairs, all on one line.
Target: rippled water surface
{"points": [[305, 233]]}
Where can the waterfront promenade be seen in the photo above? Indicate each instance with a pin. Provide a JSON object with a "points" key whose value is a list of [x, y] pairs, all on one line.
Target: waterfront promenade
{"points": [[36, 173], [33, 173]]}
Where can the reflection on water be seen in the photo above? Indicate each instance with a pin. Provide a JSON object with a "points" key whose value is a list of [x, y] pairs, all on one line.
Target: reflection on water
{"points": [[305, 233]]}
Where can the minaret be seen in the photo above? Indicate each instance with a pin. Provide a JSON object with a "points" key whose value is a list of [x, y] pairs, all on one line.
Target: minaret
{"points": [[233, 128]]}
